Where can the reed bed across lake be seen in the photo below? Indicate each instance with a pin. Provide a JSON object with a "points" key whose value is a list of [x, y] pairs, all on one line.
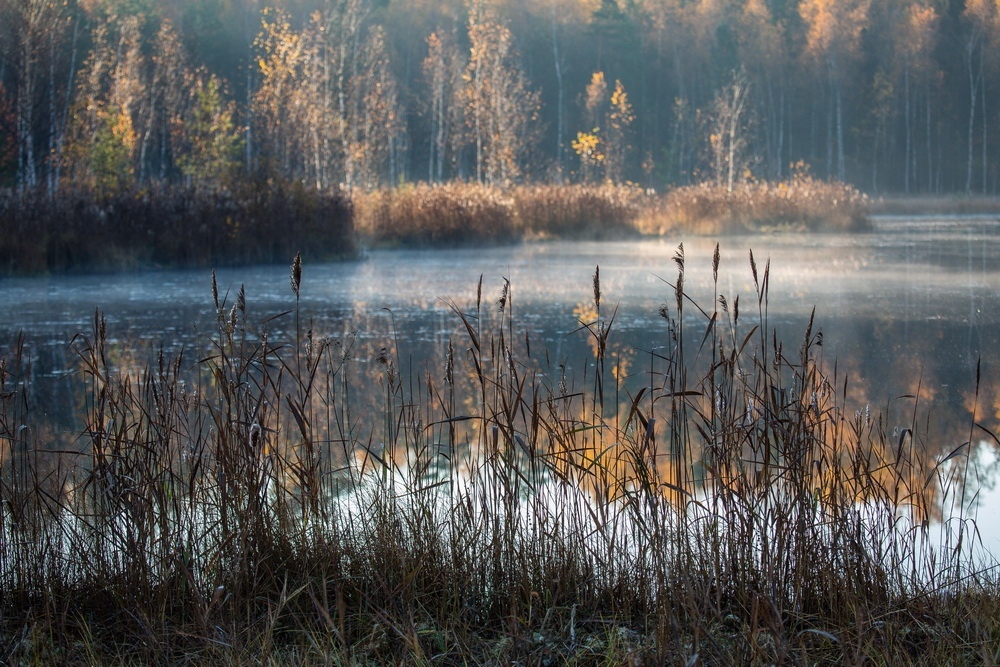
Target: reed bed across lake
{"points": [[716, 503], [265, 221]]}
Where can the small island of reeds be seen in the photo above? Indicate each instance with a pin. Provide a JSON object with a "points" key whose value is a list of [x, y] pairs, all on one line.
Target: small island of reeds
{"points": [[466, 213], [287, 500]]}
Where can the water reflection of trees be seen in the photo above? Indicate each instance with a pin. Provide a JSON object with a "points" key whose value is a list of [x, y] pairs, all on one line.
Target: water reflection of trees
{"points": [[712, 460], [713, 398]]}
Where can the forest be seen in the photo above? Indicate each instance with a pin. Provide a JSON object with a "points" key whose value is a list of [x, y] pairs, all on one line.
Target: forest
{"points": [[894, 96]]}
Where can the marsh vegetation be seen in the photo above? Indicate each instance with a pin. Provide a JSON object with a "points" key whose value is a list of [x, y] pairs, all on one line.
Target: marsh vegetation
{"points": [[265, 221], [281, 499]]}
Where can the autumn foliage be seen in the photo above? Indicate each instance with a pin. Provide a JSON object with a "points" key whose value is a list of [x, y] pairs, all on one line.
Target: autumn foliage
{"points": [[892, 96]]}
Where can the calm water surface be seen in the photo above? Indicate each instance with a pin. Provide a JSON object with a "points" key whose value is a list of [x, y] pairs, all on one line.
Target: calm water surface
{"points": [[909, 309]]}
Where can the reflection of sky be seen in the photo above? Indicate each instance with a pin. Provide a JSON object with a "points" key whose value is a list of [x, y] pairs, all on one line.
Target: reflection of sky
{"points": [[905, 270], [911, 306], [979, 504]]}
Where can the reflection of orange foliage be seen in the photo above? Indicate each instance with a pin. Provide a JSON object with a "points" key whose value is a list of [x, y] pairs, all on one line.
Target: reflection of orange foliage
{"points": [[619, 356]]}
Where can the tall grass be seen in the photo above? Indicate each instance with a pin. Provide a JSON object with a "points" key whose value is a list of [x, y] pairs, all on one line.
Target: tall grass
{"points": [[466, 213], [460, 213], [724, 506], [799, 204], [449, 214]]}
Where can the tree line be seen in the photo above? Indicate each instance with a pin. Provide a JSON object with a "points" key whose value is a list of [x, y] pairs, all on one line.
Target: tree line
{"points": [[890, 96]]}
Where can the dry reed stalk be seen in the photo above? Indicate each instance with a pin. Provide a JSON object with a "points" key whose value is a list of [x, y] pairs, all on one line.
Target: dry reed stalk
{"points": [[730, 508]]}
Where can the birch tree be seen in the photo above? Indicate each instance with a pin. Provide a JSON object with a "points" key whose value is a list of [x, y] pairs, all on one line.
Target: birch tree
{"points": [[761, 46], [619, 133], [211, 139], [833, 38], [343, 30], [280, 104], [916, 38], [164, 103], [605, 146], [982, 19], [728, 139], [589, 143], [32, 36], [442, 70], [500, 106], [378, 141], [8, 146], [103, 139]]}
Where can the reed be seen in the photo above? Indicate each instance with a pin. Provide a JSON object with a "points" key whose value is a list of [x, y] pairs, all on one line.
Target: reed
{"points": [[799, 204], [258, 221], [304, 501], [461, 213], [253, 222], [587, 211], [442, 215], [464, 213]]}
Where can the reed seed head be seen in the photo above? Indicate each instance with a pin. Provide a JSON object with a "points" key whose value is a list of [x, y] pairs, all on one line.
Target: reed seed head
{"points": [[597, 287], [504, 295], [296, 273], [449, 368], [241, 301], [215, 292]]}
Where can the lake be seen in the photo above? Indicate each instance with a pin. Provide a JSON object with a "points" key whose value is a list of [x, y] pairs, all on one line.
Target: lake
{"points": [[908, 310]]}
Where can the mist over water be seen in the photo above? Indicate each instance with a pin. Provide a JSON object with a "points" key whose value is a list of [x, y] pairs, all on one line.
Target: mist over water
{"points": [[908, 310]]}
